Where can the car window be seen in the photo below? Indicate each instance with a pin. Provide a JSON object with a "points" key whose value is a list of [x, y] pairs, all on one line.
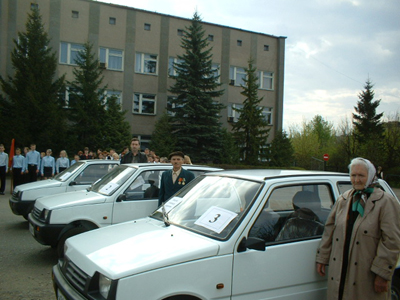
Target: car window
{"points": [[293, 213], [67, 173], [344, 186], [93, 173], [145, 186]]}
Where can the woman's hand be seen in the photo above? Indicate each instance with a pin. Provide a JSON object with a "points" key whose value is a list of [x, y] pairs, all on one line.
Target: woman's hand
{"points": [[381, 285], [321, 269]]}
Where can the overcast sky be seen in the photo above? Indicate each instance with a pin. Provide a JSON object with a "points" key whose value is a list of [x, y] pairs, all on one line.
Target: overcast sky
{"points": [[332, 48]]}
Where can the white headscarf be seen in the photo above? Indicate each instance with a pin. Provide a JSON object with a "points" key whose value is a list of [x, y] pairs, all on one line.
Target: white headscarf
{"points": [[370, 168]]}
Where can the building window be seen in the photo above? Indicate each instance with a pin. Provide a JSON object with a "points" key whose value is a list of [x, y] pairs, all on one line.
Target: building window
{"points": [[146, 63], [237, 76], [180, 32], [75, 14], [171, 62], [69, 53], [116, 94], [267, 113], [210, 37], [113, 21], [111, 59], [147, 26], [266, 47], [233, 115], [266, 80], [239, 43], [144, 104], [68, 98], [34, 5]]}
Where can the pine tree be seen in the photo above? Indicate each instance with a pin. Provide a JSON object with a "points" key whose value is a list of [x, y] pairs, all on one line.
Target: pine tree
{"points": [[281, 151], [195, 113], [250, 131], [87, 101], [367, 122], [116, 130], [32, 108], [162, 140]]}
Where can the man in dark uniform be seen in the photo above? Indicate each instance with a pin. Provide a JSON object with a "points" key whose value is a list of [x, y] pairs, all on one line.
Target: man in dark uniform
{"points": [[134, 156], [175, 179]]}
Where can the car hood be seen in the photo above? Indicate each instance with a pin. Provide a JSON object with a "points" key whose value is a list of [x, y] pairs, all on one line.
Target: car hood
{"points": [[137, 246], [69, 199], [49, 183]]}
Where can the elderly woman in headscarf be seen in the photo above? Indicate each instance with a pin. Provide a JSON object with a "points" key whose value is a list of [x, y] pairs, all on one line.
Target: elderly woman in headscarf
{"points": [[361, 239]]}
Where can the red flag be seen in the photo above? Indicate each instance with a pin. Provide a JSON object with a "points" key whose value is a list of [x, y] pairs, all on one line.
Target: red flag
{"points": [[11, 155]]}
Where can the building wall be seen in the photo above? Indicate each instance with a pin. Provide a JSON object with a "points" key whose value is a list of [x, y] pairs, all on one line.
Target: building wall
{"points": [[129, 35]]}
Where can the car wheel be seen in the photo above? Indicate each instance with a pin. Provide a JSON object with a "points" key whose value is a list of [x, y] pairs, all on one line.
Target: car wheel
{"points": [[65, 236], [395, 288]]}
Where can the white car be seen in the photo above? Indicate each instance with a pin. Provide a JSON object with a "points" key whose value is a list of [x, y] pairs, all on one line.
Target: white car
{"points": [[127, 192], [77, 177], [226, 235]]}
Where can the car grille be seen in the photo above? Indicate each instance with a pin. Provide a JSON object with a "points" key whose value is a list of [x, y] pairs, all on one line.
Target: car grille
{"points": [[76, 276], [36, 213]]}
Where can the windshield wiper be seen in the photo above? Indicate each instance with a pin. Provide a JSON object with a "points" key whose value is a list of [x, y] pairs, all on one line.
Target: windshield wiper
{"points": [[165, 216]]}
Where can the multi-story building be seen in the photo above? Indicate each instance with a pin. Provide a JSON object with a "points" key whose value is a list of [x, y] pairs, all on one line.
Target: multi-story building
{"points": [[137, 48]]}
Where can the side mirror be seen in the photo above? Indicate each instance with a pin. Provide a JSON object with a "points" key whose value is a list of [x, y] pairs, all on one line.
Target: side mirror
{"points": [[251, 243], [121, 198]]}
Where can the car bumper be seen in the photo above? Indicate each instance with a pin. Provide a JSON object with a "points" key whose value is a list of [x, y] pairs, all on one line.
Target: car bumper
{"points": [[21, 208], [62, 288], [45, 234]]}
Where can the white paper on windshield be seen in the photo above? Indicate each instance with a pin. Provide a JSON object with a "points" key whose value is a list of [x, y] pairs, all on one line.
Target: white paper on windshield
{"points": [[66, 176], [170, 204], [109, 188], [216, 218]]}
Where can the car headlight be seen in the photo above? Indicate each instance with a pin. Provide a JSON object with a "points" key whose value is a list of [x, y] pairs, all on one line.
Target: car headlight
{"points": [[46, 214], [104, 285]]}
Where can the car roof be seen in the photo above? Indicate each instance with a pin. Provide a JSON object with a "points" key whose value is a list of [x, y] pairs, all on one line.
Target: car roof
{"points": [[264, 174], [163, 165], [99, 161]]}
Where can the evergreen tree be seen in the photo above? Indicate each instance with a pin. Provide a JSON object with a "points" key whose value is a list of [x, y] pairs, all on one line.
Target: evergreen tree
{"points": [[369, 129], [116, 130], [195, 113], [87, 101], [366, 120], [230, 151], [250, 131], [162, 140], [281, 151], [32, 108]]}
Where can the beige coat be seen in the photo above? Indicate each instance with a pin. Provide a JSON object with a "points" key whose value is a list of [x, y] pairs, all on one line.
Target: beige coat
{"points": [[374, 246]]}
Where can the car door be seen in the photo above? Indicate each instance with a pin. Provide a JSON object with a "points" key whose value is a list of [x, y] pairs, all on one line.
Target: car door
{"points": [[286, 267], [88, 176], [139, 199]]}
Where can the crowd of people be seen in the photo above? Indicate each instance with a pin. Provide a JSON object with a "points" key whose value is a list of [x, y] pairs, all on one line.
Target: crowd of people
{"points": [[29, 165]]}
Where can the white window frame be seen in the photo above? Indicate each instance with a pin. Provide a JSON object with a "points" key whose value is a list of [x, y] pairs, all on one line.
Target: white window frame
{"points": [[141, 98], [233, 115], [233, 75], [140, 63], [110, 93], [106, 54], [268, 116], [265, 77], [171, 62], [66, 97], [71, 48]]}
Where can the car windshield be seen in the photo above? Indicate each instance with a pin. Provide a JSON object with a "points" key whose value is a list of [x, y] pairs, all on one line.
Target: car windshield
{"points": [[110, 182], [67, 173], [210, 205]]}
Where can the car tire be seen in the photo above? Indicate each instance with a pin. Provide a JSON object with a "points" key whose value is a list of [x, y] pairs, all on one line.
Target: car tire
{"points": [[65, 236], [395, 288]]}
